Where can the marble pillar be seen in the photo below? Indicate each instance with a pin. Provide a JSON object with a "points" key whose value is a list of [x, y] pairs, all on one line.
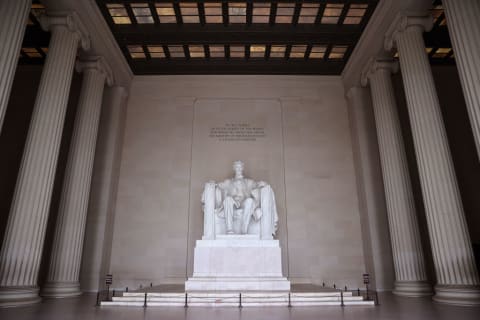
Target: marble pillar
{"points": [[457, 277], [371, 196], [13, 21], [25, 232], [65, 262], [464, 29], [101, 204], [410, 274]]}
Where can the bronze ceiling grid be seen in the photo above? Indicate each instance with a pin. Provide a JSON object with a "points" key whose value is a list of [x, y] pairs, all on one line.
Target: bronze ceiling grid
{"points": [[229, 34], [277, 39]]}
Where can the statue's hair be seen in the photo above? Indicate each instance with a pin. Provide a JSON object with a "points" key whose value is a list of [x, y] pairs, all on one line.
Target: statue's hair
{"points": [[238, 163]]}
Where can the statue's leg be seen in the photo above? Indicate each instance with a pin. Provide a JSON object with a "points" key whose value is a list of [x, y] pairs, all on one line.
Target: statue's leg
{"points": [[248, 210], [228, 207]]}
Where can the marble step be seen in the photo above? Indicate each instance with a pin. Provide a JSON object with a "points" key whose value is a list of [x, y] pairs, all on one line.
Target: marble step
{"points": [[225, 299]]}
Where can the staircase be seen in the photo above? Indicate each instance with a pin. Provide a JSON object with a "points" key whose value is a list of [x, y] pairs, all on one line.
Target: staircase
{"points": [[233, 299]]}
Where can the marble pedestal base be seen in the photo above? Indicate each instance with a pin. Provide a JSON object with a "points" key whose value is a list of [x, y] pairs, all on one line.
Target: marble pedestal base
{"points": [[412, 289], [61, 290], [18, 296], [237, 263], [457, 295]]}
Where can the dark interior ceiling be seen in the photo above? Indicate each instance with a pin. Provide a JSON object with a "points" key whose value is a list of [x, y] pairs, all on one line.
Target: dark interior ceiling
{"points": [[237, 37]]}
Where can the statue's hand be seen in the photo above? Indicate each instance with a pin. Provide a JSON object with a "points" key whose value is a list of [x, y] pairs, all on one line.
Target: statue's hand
{"points": [[262, 184]]}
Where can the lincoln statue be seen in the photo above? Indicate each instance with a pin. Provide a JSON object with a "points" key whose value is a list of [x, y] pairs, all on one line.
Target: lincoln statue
{"points": [[239, 206]]}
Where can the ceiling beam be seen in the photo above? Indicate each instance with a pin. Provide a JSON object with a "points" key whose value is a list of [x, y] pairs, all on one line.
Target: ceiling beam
{"points": [[219, 34], [36, 37], [437, 38], [221, 66]]}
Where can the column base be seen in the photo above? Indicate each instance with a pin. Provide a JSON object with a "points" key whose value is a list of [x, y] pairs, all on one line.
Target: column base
{"points": [[412, 289], [457, 295], [18, 296], [61, 290]]}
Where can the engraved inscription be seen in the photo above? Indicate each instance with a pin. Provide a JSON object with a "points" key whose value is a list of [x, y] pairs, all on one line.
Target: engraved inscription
{"points": [[235, 131]]}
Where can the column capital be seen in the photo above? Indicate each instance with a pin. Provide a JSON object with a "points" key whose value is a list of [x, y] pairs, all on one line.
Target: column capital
{"points": [[404, 21], [98, 63], [351, 92], [69, 20], [375, 64]]}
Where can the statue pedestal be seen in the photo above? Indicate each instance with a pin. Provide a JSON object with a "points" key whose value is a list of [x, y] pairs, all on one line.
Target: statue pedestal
{"points": [[237, 263]]}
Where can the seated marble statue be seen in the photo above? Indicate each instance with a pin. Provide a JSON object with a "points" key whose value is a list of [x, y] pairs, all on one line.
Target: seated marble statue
{"points": [[239, 206]]}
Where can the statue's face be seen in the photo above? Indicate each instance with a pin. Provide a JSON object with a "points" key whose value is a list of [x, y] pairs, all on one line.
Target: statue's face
{"points": [[238, 168]]}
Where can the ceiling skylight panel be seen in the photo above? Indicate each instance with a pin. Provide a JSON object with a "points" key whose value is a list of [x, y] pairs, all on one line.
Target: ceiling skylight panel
{"points": [[355, 13], [237, 51], [285, 11], [298, 51], [118, 13], [166, 13], [237, 12], [257, 51], [332, 13], [136, 52], [217, 51], [261, 12], [337, 52], [318, 52], [196, 51], [176, 51], [308, 13], [189, 12], [213, 12]]}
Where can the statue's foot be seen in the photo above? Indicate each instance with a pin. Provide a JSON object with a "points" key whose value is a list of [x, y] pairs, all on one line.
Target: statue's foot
{"points": [[230, 232]]}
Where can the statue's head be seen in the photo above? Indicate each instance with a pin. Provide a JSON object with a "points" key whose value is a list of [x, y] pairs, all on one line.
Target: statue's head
{"points": [[238, 168]]}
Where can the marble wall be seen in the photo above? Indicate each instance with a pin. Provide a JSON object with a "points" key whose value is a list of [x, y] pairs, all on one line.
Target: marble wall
{"points": [[167, 156]]}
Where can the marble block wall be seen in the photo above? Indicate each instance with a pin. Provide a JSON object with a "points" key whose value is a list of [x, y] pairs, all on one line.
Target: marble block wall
{"points": [[170, 151]]}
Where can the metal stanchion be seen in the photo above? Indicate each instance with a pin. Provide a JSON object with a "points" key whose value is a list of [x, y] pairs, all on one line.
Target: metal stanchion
{"points": [[289, 300], [98, 298], [341, 299], [145, 300], [186, 300], [240, 300]]}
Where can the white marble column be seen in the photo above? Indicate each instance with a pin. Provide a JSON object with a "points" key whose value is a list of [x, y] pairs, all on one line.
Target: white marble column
{"points": [[371, 195], [65, 262], [13, 21], [457, 277], [25, 232], [410, 274], [464, 29], [101, 205]]}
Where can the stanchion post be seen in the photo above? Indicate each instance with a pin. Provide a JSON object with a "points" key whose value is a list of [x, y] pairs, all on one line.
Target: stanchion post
{"points": [[145, 300], [98, 298], [341, 299], [186, 300], [240, 300], [289, 300]]}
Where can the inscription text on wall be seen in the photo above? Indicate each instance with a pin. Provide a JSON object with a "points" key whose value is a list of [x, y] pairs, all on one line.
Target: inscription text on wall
{"points": [[237, 131]]}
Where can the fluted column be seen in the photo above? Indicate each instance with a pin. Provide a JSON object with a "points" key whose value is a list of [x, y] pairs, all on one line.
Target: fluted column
{"points": [[65, 262], [25, 233], [13, 21], [464, 29], [457, 277], [410, 275]]}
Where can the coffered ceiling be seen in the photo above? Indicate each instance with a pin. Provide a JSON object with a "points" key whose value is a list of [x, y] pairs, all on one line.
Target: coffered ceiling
{"points": [[236, 37]]}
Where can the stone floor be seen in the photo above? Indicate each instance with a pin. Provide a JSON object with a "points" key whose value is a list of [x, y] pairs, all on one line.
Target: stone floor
{"points": [[390, 308]]}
